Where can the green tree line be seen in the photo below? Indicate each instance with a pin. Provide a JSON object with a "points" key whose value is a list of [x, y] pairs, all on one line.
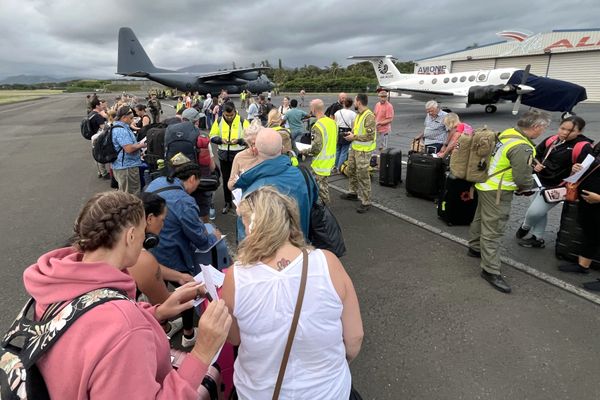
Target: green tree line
{"points": [[333, 78]]}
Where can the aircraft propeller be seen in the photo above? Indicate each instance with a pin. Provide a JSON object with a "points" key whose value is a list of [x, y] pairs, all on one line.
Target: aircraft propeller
{"points": [[522, 89]]}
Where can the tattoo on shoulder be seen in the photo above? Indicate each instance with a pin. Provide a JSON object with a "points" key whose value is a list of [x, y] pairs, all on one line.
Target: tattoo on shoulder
{"points": [[281, 264]]}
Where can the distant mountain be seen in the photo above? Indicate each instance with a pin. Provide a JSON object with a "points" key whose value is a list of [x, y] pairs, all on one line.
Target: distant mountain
{"points": [[32, 79]]}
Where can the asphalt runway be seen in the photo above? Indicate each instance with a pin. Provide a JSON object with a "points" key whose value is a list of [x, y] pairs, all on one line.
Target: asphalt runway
{"points": [[433, 328]]}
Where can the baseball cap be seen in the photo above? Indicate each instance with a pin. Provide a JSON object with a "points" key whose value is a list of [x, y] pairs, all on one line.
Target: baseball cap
{"points": [[191, 114]]}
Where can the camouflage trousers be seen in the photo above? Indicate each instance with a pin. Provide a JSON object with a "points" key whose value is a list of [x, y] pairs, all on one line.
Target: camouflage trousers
{"points": [[358, 174], [323, 183]]}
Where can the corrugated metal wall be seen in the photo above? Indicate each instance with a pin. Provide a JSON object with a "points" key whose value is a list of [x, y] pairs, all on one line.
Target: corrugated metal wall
{"points": [[472, 65], [539, 64], [580, 68]]}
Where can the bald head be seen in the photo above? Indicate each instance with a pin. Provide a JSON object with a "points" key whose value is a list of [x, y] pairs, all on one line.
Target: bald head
{"points": [[341, 97], [317, 108], [268, 144]]}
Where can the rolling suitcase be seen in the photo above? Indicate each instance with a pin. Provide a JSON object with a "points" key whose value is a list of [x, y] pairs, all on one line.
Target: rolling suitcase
{"points": [[390, 167], [569, 236], [458, 202], [424, 176]]}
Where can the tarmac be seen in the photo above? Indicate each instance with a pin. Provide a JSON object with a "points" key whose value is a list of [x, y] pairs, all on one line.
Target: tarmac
{"points": [[433, 328]]}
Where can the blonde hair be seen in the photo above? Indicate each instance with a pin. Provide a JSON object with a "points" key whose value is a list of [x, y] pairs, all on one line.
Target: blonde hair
{"points": [[274, 118], [252, 130], [451, 121], [274, 219]]}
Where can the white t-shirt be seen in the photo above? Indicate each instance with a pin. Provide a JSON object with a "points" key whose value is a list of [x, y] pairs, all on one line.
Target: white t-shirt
{"points": [[344, 118]]}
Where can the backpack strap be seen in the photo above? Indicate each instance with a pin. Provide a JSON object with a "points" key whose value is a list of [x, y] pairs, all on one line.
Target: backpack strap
{"points": [[577, 149], [40, 335], [551, 140], [166, 188]]}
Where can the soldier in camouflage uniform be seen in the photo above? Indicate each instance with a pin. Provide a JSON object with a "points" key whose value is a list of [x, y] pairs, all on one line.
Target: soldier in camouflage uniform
{"points": [[363, 138], [323, 147], [510, 171]]}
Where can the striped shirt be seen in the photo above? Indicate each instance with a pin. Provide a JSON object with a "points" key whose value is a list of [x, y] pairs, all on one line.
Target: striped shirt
{"points": [[435, 130]]}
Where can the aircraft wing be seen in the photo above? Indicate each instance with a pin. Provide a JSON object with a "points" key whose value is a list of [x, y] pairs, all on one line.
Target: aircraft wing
{"points": [[457, 93], [243, 73]]}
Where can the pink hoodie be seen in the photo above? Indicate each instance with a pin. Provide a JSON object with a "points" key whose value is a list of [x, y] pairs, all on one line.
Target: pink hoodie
{"points": [[117, 350]]}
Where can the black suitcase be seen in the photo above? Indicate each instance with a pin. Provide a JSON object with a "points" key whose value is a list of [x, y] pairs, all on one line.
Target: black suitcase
{"points": [[456, 207], [569, 236], [390, 167], [424, 175]]}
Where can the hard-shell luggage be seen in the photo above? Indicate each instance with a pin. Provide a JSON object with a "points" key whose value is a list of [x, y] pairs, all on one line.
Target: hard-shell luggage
{"points": [[390, 167], [424, 175], [569, 236], [218, 255], [458, 201]]}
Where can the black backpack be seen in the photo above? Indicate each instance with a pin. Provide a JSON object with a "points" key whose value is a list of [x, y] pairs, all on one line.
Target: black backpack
{"points": [[155, 139], [19, 376], [86, 126], [179, 143], [104, 151]]}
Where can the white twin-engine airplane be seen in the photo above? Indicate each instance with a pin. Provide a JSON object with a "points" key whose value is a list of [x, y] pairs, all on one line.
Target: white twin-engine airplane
{"points": [[485, 87]]}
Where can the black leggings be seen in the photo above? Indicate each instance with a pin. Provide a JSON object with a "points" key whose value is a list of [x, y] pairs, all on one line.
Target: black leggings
{"points": [[589, 220], [226, 171]]}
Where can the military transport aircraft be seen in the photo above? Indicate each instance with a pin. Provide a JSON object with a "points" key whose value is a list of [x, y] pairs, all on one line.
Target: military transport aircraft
{"points": [[133, 61], [485, 87]]}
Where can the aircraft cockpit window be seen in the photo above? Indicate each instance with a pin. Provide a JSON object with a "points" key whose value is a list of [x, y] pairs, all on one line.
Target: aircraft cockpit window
{"points": [[505, 75], [454, 79], [434, 81], [463, 78], [482, 77], [471, 78], [446, 80]]}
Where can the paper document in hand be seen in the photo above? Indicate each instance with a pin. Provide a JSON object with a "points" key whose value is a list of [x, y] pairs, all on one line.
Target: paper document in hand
{"points": [[585, 165], [303, 146], [237, 196], [216, 279]]}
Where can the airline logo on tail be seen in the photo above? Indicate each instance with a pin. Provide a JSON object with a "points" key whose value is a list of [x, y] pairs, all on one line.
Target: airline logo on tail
{"points": [[382, 67]]}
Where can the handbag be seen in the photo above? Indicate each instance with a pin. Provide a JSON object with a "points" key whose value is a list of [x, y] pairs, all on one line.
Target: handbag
{"points": [[324, 232], [290, 340], [573, 187], [417, 146]]}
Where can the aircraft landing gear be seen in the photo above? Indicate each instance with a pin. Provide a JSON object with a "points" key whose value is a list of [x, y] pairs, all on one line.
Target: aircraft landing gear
{"points": [[490, 109]]}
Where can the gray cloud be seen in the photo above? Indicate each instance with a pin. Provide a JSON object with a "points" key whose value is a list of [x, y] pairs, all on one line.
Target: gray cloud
{"points": [[67, 37]]}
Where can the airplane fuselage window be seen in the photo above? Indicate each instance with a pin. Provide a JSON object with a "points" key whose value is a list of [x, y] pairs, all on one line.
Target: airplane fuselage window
{"points": [[463, 78], [421, 82], [482, 77], [446, 80], [505, 75], [471, 78], [434, 81], [454, 79]]}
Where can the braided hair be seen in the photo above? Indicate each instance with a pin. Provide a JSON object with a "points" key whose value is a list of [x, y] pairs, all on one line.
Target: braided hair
{"points": [[104, 217]]}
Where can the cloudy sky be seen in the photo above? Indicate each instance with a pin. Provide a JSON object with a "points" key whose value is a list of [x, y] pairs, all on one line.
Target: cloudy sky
{"points": [[79, 38]]}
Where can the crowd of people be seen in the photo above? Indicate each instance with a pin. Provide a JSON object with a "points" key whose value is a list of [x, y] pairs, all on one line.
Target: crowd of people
{"points": [[141, 238]]}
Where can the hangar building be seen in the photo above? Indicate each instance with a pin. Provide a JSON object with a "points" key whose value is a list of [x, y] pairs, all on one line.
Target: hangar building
{"points": [[570, 55]]}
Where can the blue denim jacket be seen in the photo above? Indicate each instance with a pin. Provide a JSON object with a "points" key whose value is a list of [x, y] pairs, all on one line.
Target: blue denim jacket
{"points": [[183, 230]]}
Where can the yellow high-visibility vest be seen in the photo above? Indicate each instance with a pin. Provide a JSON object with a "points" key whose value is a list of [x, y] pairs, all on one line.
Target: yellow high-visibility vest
{"points": [[359, 130], [221, 128], [504, 180], [325, 160]]}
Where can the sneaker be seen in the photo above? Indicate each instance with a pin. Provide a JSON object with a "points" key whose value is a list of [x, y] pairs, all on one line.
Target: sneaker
{"points": [[532, 242], [185, 342], [212, 214], [363, 208], [106, 177], [522, 232], [593, 286], [174, 327], [226, 208], [349, 196], [473, 253], [573, 267]]}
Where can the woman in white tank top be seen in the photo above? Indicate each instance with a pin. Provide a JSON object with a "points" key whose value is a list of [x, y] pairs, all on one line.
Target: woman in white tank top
{"points": [[260, 292]]}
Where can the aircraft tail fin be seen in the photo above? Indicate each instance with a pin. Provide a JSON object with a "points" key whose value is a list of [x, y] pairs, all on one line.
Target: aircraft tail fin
{"points": [[132, 57], [384, 67]]}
